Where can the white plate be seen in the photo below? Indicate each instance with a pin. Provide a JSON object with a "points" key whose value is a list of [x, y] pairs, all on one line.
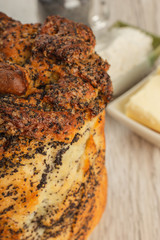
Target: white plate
{"points": [[117, 110]]}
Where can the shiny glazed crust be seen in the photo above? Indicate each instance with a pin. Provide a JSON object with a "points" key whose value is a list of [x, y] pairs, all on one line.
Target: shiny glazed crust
{"points": [[53, 92]]}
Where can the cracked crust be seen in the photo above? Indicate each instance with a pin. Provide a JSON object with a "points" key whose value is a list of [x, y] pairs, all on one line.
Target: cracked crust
{"points": [[53, 92], [61, 79]]}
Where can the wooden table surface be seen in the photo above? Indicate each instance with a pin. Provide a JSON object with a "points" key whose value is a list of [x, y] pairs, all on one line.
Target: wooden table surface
{"points": [[133, 208]]}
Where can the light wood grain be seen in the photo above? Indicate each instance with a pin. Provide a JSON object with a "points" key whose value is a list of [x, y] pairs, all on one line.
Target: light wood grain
{"points": [[133, 208]]}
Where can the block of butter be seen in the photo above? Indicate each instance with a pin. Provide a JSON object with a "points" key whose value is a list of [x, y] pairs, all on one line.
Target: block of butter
{"points": [[144, 106]]}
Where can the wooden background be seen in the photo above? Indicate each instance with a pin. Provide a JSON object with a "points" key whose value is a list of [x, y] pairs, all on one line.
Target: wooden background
{"points": [[133, 209]]}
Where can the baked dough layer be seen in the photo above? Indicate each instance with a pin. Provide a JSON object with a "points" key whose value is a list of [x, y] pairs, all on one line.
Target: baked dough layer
{"points": [[55, 193], [53, 92]]}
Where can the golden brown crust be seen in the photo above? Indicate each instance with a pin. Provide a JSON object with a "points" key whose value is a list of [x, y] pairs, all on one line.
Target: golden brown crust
{"points": [[94, 197], [7, 22], [17, 42], [12, 79], [52, 100], [23, 189], [59, 79], [62, 26]]}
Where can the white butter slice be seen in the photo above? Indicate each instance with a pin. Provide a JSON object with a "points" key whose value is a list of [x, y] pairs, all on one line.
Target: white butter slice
{"points": [[144, 106]]}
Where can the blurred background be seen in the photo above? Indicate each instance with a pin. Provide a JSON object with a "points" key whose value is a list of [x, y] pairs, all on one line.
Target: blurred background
{"points": [[143, 13]]}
